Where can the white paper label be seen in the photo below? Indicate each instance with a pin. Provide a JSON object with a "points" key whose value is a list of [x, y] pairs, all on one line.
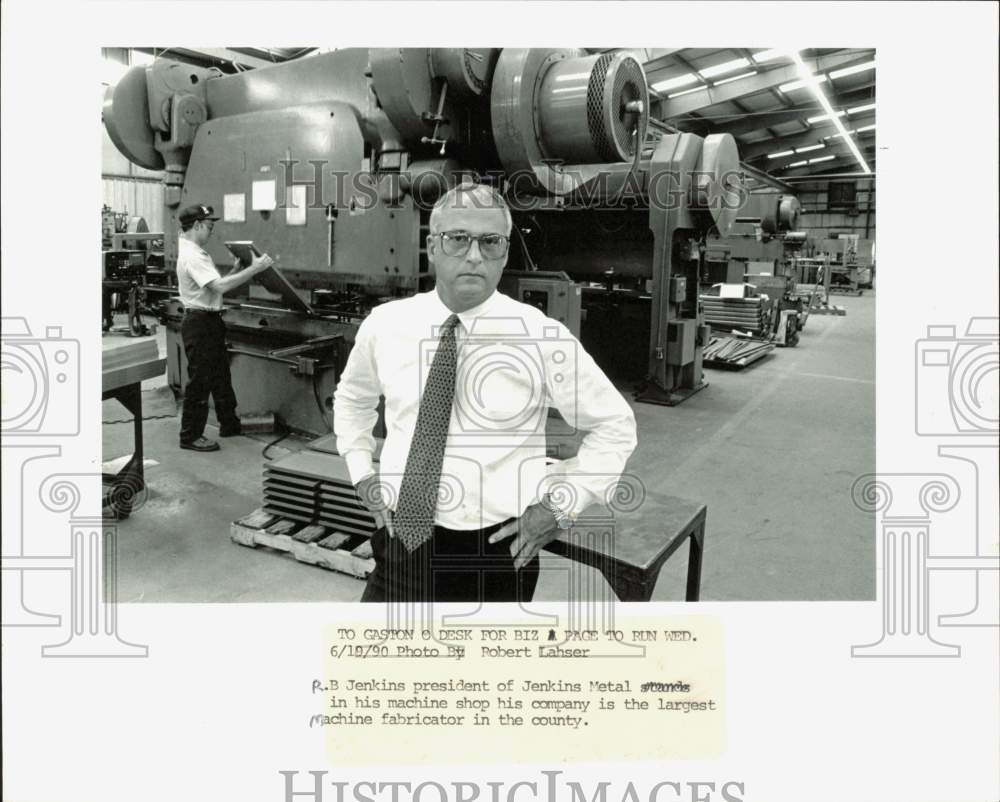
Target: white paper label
{"points": [[264, 198]]}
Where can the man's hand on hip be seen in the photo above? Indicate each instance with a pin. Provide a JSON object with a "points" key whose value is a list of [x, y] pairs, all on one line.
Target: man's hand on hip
{"points": [[534, 529], [369, 490]]}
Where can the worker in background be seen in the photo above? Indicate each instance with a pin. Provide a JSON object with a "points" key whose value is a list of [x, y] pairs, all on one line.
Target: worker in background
{"points": [[462, 492], [201, 288]]}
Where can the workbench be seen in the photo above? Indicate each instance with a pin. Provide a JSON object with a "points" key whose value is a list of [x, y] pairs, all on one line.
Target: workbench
{"points": [[630, 548], [125, 363]]}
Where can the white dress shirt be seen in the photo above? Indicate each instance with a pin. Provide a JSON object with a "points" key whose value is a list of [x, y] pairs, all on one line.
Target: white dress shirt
{"points": [[513, 364], [195, 269]]}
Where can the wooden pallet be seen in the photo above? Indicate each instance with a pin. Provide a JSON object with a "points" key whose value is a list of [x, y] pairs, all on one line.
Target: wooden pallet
{"points": [[308, 543]]}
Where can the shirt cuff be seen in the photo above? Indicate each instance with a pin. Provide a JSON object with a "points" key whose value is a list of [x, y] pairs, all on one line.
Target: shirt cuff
{"points": [[359, 465]]}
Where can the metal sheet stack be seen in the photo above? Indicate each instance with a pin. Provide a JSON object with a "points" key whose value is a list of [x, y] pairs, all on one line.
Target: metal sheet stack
{"points": [[314, 487], [745, 314], [735, 353]]}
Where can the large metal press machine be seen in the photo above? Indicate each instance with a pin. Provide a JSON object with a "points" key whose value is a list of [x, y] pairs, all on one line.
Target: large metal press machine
{"points": [[331, 164]]}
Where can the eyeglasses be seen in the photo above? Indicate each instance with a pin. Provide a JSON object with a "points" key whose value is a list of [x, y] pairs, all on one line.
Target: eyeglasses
{"points": [[457, 243]]}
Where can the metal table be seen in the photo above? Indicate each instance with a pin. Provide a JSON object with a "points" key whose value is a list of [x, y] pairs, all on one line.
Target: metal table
{"points": [[124, 383], [630, 548]]}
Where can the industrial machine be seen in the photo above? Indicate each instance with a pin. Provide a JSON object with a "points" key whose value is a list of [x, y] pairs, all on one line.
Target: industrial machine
{"points": [[331, 164], [763, 238], [131, 257]]}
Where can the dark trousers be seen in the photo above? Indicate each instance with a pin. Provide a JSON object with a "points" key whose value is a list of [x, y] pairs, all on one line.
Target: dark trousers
{"points": [[452, 566], [204, 336]]}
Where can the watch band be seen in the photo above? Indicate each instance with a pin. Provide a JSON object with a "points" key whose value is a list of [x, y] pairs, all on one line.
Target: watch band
{"points": [[564, 520]]}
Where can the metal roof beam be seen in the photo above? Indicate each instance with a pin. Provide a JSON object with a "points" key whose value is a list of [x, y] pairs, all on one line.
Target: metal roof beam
{"points": [[814, 136], [739, 125], [761, 178], [834, 150], [710, 96], [844, 156]]}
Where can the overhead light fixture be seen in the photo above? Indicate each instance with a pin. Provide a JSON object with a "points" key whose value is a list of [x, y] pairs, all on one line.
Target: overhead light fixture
{"points": [[793, 85], [809, 147], [673, 83], [868, 65], [859, 109], [722, 69], [840, 136], [686, 91], [821, 159], [769, 55], [780, 155], [798, 164], [814, 85], [735, 78], [866, 128], [822, 117]]}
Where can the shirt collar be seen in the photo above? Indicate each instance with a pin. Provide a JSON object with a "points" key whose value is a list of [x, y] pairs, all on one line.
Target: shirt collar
{"points": [[185, 243], [468, 315]]}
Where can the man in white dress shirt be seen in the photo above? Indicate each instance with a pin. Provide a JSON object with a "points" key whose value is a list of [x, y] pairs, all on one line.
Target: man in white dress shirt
{"points": [[462, 493]]}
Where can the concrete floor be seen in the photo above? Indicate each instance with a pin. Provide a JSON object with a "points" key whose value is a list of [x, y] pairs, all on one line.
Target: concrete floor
{"points": [[771, 450]]}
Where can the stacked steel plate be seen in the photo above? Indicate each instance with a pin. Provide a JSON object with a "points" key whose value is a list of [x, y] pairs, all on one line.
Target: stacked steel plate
{"points": [[745, 314], [313, 486]]}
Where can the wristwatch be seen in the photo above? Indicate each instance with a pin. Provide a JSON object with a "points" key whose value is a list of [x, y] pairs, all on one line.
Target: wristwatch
{"points": [[564, 520]]}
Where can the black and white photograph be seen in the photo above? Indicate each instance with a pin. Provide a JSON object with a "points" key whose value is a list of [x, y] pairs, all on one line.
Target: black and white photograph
{"points": [[500, 401], [653, 271]]}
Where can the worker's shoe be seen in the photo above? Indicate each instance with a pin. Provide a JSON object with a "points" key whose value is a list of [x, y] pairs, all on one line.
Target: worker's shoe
{"points": [[201, 444]]}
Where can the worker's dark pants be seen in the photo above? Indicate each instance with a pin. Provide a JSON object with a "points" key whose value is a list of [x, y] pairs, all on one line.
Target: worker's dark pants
{"points": [[452, 566], [204, 336]]}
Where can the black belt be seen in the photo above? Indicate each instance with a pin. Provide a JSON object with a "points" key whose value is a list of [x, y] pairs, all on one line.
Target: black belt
{"points": [[192, 310]]}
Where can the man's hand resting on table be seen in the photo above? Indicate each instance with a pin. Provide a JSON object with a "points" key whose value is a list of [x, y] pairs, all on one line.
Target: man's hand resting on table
{"points": [[369, 490], [534, 529]]}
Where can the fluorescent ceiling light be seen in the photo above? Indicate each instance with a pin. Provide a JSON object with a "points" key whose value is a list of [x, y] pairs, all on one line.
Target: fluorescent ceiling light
{"points": [[822, 117], [799, 84], [866, 128], [769, 55], [821, 159], [798, 164], [780, 155], [735, 78], [722, 69], [859, 109], [838, 136], [809, 147], [868, 65], [814, 85], [673, 83], [687, 91]]}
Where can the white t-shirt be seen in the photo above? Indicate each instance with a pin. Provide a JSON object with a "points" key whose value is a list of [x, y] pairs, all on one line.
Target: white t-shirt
{"points": [[195, 269]]}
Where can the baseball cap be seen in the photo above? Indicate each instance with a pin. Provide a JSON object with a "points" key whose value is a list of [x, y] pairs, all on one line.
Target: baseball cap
{"points": [[192, 214]]}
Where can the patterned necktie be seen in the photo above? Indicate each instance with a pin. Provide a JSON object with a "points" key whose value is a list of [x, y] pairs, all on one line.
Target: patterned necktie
{"points": [[418, 491]]}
